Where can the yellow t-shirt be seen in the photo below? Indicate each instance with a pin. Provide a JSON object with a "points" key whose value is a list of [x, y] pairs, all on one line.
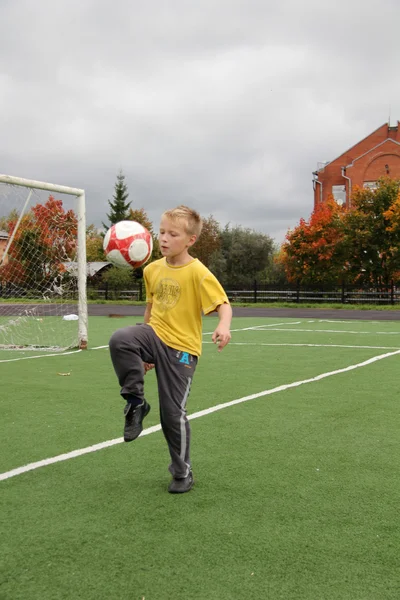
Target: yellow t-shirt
{"points": [[178, 296]]}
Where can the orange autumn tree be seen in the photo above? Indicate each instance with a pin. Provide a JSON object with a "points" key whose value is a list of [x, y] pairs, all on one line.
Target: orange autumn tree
{"points": [[140, 216], [392, 215], [94, 245], [44, 241], [372, 230], [312, 254], [209, 241]]}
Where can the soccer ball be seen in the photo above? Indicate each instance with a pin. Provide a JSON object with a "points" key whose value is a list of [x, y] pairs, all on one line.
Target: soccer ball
{"points": [[128, 244]]}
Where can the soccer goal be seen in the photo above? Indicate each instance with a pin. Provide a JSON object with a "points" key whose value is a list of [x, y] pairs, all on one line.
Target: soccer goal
{"points": [[42, 265]]}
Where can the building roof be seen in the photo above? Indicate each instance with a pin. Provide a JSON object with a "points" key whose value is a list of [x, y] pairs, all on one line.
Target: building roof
{"points": [[381, 134], [355, 145], [91, 267], [388, 140]]}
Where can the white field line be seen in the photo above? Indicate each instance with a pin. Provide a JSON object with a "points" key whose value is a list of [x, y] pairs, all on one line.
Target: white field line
{"points": [[201, 413], [259, 327], [7, 360], [312, 345], [338, 321], [255, 327], [336, 331], [106, 346]]}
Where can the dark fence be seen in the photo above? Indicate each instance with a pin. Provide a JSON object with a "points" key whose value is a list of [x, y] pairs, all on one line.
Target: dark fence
{"points": [[342, 295], [261, 292], [136, 292]]}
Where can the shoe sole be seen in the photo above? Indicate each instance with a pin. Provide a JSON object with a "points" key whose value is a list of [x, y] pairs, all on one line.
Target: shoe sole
{"points": [[182, 491], [132, 439]]}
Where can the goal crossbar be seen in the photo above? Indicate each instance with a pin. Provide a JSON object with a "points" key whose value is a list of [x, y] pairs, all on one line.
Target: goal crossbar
{"points": [[41, 185]]}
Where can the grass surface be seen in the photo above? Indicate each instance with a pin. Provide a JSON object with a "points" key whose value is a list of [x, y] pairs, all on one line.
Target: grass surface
{"points": [[296, 494], [320, 305], [302, 304], [277, 304]]}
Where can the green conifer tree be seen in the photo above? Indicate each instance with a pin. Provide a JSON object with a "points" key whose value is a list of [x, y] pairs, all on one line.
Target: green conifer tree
{"points": [[119, 206]]}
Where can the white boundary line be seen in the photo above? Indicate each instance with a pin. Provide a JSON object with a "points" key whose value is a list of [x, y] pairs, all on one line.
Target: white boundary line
{"points": [[254, 328], [347, 321], [312, 345], [201, 413], [261, 327], [7, 360], [334, 331]]}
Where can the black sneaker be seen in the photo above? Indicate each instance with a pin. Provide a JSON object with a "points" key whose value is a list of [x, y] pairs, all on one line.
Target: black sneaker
{"points": [[180, 486], [134, 416]]}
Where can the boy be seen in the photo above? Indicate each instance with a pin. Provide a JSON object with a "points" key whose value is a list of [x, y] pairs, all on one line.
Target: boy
{"points": [[178, 288]]}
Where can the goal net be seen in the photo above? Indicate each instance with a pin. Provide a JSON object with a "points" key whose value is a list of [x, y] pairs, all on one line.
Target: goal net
{"points": [[42, 265]]}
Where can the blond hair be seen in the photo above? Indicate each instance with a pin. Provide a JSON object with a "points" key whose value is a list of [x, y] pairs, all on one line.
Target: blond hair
{"points": [[193, 221]]}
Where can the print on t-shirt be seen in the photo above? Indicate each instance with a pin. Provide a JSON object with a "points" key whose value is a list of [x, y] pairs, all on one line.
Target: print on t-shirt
{"points": [[168, 292]]}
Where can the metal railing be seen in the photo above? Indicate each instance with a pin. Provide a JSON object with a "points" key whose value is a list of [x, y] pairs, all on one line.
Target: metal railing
{"points": [[259, 292], [301, 296]]}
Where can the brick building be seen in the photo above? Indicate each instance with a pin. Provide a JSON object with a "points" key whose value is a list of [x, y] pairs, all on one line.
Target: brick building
{"points": [[3, 244], [375, 156]]}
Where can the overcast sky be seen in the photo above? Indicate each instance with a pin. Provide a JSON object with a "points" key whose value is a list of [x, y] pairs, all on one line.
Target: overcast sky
{"points": [[225, 105]]}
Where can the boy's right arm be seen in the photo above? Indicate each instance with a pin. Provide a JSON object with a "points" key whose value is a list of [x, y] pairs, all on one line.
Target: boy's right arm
{"points": [[147, 313]]}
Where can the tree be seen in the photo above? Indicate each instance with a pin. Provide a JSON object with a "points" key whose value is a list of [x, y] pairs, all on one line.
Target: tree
{"points": [[5, 221], [275, 273], [393, 217], [209, 241], [44, 241], [140, 216], [119, 207], [372, 234], [313, 251], [243, 256], [118, 278], [217, 266], [94, 245]]}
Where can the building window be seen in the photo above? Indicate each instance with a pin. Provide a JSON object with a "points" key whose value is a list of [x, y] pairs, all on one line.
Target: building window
{"points": [[370, 185], [339, 193]]}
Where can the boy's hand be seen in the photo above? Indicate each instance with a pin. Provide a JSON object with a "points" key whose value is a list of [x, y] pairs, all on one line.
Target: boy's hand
{"points": [[147, 367], [221, 336]]}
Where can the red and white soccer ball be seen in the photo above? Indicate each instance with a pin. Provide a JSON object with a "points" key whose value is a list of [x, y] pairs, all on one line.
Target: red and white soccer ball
{"points": [[128, 244]]}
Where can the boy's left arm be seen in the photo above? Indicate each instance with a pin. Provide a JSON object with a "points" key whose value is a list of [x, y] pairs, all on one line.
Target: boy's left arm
{"points": [[222, 334]]}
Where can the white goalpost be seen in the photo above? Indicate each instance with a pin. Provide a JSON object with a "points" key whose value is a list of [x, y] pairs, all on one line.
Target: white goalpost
{"points": [[43, 300]]}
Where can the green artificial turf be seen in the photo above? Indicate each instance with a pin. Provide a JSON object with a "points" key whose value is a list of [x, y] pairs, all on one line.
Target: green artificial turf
{"points": [[296, 494]]}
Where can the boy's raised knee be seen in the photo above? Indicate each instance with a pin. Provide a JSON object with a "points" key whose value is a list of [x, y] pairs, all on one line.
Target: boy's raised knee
{"points": [[116, 338]]}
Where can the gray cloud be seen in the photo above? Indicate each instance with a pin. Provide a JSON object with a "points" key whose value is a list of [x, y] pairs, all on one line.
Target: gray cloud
{"points": [[225, 105]]}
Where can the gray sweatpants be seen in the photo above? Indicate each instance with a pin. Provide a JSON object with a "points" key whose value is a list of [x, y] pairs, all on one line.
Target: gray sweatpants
{"points": [[129, 348]]}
